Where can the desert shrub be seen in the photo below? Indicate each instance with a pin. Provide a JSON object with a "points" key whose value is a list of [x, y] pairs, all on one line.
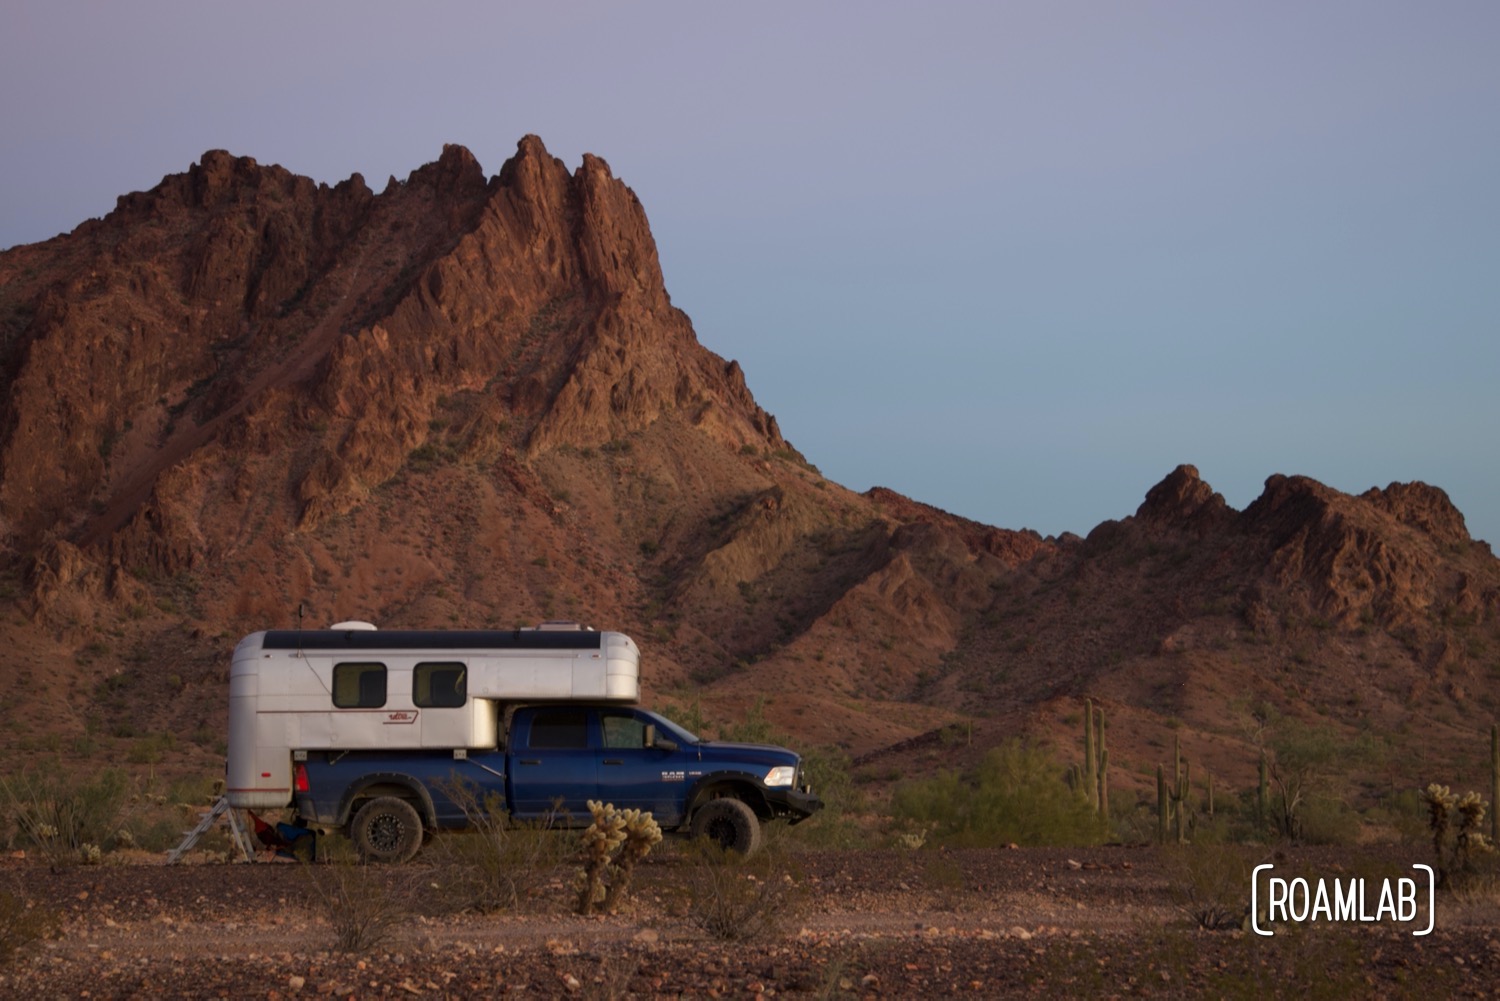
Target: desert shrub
{"points": [[1134, 821], [363, 904], [22, 922], [150, 749], [735, 899], [944, 879], [1304, 764], [1210, 883], [1327, 820], [1016, 794], [61, 820], [753, 729], [494, 866], [1405, 811], [828, 770]]}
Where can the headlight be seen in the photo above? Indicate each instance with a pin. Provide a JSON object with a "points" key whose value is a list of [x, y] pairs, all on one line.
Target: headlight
{"points": [[781, 775]]}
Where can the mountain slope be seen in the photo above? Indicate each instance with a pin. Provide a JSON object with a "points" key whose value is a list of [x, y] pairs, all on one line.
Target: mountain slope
{"points": [[469, 401]]}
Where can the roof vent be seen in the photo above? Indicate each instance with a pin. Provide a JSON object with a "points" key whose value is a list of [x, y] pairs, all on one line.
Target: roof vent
{"points": [[353, 624]]}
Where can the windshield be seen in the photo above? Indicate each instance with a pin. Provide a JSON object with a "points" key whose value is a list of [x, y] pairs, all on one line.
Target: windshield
{"points": [[675, 732]]}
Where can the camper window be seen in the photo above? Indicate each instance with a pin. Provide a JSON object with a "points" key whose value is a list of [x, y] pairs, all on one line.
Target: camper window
{"points": [[438, 685], [359, 686]]}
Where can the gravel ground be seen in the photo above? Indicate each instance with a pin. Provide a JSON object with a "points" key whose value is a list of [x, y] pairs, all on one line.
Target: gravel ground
{"points": [[1096, 922]]}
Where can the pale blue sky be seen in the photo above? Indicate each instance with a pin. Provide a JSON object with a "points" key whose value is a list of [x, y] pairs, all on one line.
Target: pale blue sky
{"points": [[1017, 260]]}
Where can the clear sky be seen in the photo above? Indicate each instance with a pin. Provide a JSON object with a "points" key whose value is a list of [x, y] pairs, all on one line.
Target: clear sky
{"points": [[1014, 259]]}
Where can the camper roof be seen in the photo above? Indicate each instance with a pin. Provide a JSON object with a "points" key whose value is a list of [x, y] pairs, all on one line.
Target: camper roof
{"points": [[431, 639]]}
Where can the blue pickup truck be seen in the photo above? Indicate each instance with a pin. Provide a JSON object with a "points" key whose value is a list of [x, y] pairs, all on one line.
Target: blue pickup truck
{"points": [[556, 758]]}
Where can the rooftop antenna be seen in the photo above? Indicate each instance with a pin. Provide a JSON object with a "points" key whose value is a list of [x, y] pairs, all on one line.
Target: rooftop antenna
{"points": [[299, 629]]}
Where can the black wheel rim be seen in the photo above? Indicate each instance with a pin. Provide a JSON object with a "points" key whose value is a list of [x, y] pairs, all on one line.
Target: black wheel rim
{"points": [[721, 831], [385, 833]]}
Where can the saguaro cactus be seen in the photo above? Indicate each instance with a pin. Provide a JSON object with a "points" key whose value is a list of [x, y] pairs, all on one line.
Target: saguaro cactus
{"points": [[1495, 783], [1263, 791], [1095, 773], [1163, 805], [1184, 792], [1172, 798], [1090, 771]]}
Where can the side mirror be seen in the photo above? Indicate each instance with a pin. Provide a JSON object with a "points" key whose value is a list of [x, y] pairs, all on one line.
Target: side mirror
{"points": [[660, 743]]}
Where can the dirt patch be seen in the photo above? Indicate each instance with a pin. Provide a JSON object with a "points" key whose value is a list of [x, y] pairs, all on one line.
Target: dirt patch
{"points": [[1043, 922]]}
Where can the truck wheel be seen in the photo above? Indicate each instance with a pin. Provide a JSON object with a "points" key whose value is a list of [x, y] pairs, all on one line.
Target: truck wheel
{"points": [[386, 829], [730, 824]]}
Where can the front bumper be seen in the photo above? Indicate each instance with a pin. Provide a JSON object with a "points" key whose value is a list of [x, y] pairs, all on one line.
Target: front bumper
{"points": [[796, 805]]}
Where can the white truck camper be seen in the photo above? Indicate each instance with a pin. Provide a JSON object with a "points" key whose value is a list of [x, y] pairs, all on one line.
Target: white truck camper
{"points": [[352, 687]]}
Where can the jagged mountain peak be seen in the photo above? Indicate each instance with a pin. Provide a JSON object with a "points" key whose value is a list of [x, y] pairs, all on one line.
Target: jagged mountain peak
{"points": [[470, 401], [1184, 500], [539, 287]]}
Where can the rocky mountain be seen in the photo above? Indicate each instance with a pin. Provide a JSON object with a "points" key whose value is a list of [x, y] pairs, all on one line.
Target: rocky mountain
{"points": [[469, 401]]}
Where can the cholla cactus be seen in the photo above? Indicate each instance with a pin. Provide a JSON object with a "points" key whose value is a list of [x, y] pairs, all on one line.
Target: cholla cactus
{"points": [[1470, 838], [642, 833], [1439, 801], [1467, 838], [90, 854], [600, 841], [613, 844]]}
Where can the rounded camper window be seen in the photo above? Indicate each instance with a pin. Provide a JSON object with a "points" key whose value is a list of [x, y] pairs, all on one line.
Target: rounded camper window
{"points": [[359, 686], [438, 686]]}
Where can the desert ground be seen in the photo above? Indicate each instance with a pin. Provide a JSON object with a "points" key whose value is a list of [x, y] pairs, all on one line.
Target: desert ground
{"points": [[1055, 922]]}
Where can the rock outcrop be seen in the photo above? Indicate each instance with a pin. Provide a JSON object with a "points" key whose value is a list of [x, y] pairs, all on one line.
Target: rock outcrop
{"points": [[244, 396]]}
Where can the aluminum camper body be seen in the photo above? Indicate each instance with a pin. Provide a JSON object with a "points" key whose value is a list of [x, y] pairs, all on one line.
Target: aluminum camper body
{"points": [[355, 688]]}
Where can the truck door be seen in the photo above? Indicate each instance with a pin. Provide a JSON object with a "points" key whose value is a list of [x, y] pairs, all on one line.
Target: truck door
{"points": [[555, 769], [634, 776]]}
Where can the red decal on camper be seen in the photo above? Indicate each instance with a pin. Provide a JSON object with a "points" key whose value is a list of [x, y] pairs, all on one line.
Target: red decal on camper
{"points": [[401, 717]]}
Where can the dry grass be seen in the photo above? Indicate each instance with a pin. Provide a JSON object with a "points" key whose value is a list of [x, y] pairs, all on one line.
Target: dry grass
{"points": [[363, 904], [735, 899]]}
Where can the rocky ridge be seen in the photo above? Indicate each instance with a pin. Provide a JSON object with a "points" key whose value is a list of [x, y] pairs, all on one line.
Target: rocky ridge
{"points": [[469, 401]]}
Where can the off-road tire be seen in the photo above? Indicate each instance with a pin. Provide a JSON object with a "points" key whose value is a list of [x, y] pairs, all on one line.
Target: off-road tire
{"points": [[730, 824], [386, 829]]}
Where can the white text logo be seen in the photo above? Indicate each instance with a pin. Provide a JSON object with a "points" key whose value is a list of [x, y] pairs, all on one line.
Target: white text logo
{"points": [[1278, 900]]}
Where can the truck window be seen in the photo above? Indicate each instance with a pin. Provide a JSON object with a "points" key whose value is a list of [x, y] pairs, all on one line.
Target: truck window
{"points": [[359, 686], [437, 686], [560, 729], [624, 731]]}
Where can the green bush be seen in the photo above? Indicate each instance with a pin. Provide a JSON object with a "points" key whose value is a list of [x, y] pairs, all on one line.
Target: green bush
{"points": [[61, 821], [1016, 794], [827, 770], [1327, 820], [150, 749]]}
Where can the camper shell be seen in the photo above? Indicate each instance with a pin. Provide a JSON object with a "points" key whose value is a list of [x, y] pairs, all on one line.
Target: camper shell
{"points": [[355, 688]]}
